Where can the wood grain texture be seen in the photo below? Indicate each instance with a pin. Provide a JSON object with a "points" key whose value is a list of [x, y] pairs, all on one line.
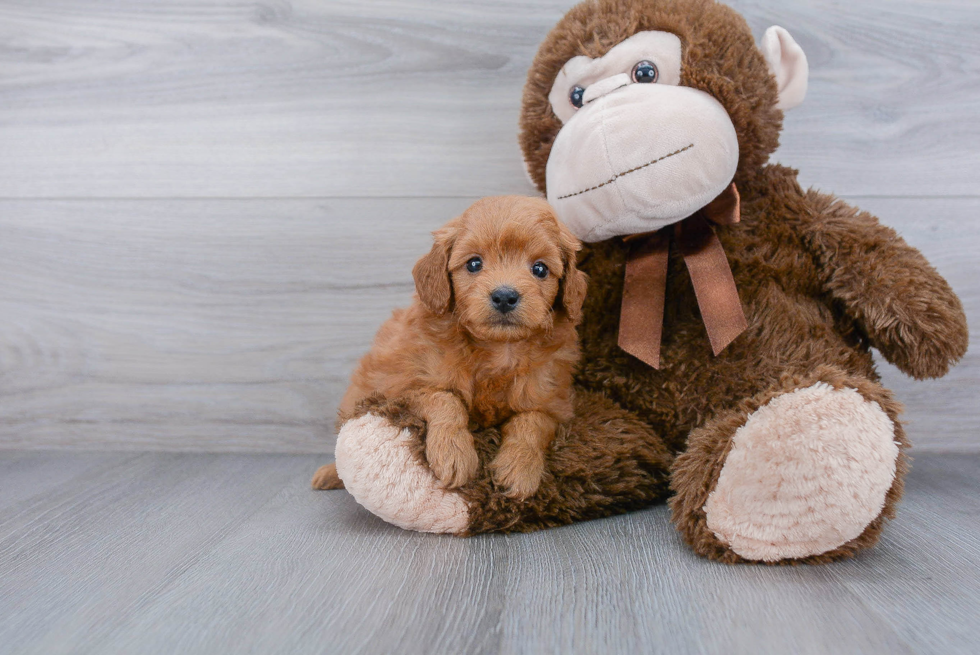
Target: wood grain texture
{"points": [[220, 98], [24, 475], [201, 325], [81, 558], [233, 553], [939, 517], [233, 325]]}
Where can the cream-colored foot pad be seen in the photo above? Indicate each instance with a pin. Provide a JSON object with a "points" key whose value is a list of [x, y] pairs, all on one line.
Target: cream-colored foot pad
{"points": [[375, 461], [806, 474]]}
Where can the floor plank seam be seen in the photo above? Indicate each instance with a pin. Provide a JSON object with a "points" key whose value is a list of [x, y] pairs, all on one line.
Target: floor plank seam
{"points": [[207, 549]]}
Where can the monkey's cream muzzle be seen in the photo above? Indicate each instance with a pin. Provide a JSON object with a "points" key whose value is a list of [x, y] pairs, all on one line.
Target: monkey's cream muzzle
{"points": [[638, 157], [638, 153]]}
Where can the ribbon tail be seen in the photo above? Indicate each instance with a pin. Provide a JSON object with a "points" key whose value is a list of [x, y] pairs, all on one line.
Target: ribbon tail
{"points": [[641, 318], [726, 209], [713, 282]]}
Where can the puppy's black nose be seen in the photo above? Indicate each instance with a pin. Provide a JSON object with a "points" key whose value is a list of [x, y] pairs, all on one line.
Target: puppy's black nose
{"points": [[505, 299]]}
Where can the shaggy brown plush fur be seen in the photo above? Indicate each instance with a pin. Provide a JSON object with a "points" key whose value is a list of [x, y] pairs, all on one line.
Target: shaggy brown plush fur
{"points": [[719, 57], [821, 283]]}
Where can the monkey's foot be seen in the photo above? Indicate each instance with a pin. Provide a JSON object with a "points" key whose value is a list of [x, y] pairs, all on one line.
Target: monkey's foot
{"points": [[378, 464], [807, 477]]}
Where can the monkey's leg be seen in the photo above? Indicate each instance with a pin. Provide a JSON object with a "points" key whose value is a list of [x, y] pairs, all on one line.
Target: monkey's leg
{"points": [[605, 462], [805, 472]]}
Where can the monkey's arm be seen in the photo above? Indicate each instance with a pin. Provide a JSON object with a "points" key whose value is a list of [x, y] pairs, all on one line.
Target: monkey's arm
{"points": [[907, 310]]}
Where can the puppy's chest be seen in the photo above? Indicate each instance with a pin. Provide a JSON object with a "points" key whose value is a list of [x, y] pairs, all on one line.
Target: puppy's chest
{"points": [[492, 400], [499, 393]]}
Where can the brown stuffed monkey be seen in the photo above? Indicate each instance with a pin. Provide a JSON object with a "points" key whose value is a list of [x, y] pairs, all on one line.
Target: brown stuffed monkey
{"points": [[727, 330]]}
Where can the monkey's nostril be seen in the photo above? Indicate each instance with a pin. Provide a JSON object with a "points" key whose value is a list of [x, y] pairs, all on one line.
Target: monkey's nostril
{"points": [[505, 299]]}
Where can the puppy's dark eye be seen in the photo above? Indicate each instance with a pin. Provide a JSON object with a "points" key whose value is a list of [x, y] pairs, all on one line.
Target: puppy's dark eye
{"points": [[645, 72], [576, 96], [539, 270], [474, 265]]}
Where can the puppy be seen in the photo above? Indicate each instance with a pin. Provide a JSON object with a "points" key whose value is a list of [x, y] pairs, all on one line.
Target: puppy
{"points": [[489, 341]]}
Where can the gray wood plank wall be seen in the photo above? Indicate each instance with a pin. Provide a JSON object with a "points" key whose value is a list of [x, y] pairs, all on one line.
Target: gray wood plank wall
{"points": [[207, 208]]}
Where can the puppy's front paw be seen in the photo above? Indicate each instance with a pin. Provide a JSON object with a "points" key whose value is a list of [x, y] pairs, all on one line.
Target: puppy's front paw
{"points": [[517, 469], [451, 455]]}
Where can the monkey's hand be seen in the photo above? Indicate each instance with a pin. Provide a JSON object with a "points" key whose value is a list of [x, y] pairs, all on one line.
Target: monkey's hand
{"points": [[896, 298]]}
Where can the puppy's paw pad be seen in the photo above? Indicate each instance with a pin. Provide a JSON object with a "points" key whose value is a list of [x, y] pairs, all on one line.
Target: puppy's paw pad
{"points": [[518, 472]]}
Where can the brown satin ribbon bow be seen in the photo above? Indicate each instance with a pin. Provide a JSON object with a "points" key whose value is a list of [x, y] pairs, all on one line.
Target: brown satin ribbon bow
{"points": [[641, 318]]}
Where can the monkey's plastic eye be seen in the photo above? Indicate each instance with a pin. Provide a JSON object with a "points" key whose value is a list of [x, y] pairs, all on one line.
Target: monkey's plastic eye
{"points": [[539, 270], [474, 265], [576, 96], [645, 72]]}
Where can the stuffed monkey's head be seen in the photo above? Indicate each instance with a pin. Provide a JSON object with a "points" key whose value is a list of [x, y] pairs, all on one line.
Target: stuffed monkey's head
{"points": [[637, 113]]}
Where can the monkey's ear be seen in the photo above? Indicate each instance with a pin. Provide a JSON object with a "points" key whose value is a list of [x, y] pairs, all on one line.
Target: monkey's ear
{"points": [[574, 283], [787, 62], [431, 273]]}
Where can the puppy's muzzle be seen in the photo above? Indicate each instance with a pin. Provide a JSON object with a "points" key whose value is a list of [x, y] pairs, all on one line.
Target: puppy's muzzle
{"points": [[505, 299]]}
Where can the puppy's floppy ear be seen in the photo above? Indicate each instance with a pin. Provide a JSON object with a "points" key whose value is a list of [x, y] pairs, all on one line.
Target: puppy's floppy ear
{"points": [[431, 273], [574, 283]]}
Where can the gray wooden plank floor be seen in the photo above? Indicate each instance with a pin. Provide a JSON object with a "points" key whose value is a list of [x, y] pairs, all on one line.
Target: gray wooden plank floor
{"points": [[197, 553]]}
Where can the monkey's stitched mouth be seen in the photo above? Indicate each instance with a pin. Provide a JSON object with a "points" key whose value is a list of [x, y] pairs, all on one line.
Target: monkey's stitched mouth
{"points": [[632, 170]]}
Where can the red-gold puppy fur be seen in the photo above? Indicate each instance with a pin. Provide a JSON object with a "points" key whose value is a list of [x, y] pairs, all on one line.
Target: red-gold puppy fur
{"points": [[490, 340]]}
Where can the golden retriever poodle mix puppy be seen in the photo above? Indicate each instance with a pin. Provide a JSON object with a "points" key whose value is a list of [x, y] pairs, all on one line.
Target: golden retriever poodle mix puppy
{"points": [[489, 341]]}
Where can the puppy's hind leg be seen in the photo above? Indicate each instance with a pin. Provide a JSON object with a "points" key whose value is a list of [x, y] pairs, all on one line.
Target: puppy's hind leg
{"points": [[326, 478]]}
